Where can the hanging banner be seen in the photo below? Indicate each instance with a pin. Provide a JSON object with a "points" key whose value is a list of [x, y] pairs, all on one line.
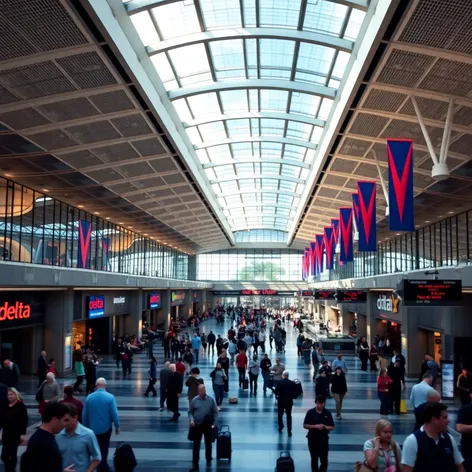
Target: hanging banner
{"points": [[303, 267], [85, 237], [330, 246], [345, 235], [304, 264], [400, 185], [355, 207], [106, 253], [367, 225], [319, 248], [335, 226], [312, 265]]}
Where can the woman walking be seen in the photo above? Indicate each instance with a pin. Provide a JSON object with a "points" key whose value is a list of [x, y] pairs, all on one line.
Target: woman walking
{"points": [[338, 390], [15, 422], [383, 391], [374, 357], [241, 364], [382, 453], [79, 372], [364, 353], [204, 343], [254, 371], [49, 392], [152, 377], [218, 377]]}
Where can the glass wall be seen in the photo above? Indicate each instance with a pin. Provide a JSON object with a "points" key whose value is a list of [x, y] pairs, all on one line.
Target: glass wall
{"points": [[250, 265], [445, 243], [38, 229]]}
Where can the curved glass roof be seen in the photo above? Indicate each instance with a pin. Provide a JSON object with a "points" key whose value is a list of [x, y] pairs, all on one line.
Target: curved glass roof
{"points": [[253, 82]]}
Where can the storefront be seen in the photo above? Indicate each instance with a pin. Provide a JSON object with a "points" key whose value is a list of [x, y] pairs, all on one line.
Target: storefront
{"points": [[177, 298], [153, 302], [102, 316], [386, 307], [22, 328]]}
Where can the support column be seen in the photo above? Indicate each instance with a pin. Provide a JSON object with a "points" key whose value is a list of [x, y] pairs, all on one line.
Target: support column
{"points": [[203, 301], [133, 321], [163, 314], [370, 319], [188, 309], [59, 309]]}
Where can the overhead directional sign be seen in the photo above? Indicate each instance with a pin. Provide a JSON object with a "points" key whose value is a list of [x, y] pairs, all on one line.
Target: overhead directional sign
{"points": [[432, 292], [325, 294], [351, 296]]}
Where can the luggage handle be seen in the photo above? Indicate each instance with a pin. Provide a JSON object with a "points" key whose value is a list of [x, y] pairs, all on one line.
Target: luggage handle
{"points": [[224, 426], [285, 454]]}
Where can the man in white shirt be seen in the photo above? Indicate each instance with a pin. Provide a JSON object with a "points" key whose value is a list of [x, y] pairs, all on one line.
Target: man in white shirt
{"points": [[419, 393]]}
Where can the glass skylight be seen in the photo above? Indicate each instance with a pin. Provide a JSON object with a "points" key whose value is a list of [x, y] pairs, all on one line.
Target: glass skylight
{"points": [[261, 97]]}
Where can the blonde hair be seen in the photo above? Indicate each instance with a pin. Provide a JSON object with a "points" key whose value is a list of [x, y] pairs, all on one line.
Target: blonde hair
{"points": [[382, 424], [16, 393], [382, 371]]}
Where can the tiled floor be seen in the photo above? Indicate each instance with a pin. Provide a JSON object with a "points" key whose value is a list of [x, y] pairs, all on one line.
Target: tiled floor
{"points": [[160, 445]]}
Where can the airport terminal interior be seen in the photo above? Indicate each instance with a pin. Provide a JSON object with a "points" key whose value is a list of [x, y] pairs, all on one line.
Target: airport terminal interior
{"points": [[293, 174]]}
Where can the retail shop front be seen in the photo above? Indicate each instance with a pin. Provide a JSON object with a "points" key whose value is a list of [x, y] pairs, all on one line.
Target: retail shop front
{"points": [[102, 315], [387, 309], [22, 328], [178, 298]]}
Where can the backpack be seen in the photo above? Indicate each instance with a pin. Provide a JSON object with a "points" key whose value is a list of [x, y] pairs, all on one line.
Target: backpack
{"points": [[124, 459], [285, 463]]}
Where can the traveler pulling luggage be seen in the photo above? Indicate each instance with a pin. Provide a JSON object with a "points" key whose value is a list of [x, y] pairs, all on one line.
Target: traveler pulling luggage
{"points": [[285, 463], [245, 383], [223, 443]]}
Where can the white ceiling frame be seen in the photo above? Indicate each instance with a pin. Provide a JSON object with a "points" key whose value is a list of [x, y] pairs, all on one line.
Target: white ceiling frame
{"points": [[257, 139], [257, 205], [252, 160], [205, 119], [257, 177], [251, 33], [258, 191], [263, 84]]}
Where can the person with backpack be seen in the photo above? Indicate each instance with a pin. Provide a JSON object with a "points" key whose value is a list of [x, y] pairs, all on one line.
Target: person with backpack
{"points": [[254, 371], [319, 423]]}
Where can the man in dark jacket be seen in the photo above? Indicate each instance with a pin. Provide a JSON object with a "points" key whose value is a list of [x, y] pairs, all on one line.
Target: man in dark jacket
{"points": [[10, 374], [397, 374], [174, 389], [285, 392], [211, 338], [42, 368]]}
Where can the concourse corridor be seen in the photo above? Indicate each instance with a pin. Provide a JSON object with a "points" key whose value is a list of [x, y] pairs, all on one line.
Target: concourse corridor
{"points": [[163, 446]]}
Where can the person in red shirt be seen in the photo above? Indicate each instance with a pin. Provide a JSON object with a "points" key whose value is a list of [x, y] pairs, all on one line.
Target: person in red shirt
{"points": [[383, 391], [241, 364], [69, 398], [180, 367]]}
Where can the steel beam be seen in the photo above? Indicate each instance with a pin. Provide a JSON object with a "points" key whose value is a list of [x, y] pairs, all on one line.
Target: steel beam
{"points": [[257, 139], [252, 160], [256, 205], [258, 191], [257, 176], [264, 84]]}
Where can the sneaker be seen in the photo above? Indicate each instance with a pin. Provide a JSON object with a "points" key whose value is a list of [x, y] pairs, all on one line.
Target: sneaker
{"points": [[218, 408], [161, 408]]}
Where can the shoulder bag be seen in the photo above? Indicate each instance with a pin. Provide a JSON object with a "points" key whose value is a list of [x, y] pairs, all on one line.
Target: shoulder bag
{"points": [[40, 394]]}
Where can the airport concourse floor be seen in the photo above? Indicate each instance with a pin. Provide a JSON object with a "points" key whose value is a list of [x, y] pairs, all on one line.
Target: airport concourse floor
{"points": [[163, 446]]}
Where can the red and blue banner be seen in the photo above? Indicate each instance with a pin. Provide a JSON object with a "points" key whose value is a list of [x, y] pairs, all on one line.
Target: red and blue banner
{"points": [[355, 207], [106, 253], [346, 241], [319, 247], [312, 260], [330, 246], [335, 226], [85, 237], [400, 185], [367, 225], [304, 264]]}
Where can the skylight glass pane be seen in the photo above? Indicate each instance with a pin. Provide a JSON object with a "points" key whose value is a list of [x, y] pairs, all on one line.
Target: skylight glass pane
{"points": [[299, 130], [213, 131], [194, 135], [254, 100], [289, 186], [210, 173], [251, 57], [280, 13], [304, 104], [203, 156], [238, 128], [143, 24], [225, 171], [273, 100], [314, 63], [182, 109], [291, 171], [163, 68], [191, 64], [219, 153], [166, 16], [221, 14], [316, 136], [276, 58], [355, 22], [204, 104], [228, 58], [325, 108], [324, 17], [311, 153], [269, 184], [249, 12], [294, 152], [270, 168], [234, 100], [340, 65], [270, 127]]}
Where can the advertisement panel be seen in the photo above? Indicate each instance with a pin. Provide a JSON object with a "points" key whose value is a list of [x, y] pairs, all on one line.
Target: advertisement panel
{"points": [[154, 300], [178, 297], [447, 384], [96, 307], [17, 309]]}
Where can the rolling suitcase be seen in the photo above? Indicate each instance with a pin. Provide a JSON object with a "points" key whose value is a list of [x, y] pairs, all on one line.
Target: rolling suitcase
{"points": [[285, 463], [223, 443], [298, 388], [245, 383]]}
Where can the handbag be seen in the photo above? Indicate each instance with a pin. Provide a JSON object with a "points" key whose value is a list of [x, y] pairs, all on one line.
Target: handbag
{"points": [[214, 433], [191, 433], [362, 467], [40, 394]]}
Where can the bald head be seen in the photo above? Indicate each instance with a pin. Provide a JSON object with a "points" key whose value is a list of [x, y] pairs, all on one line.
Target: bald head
{"points": [[202, 390], [50, 377], [101, 383], [172, 368], [167, 364], [285, 374], [433, 396]]}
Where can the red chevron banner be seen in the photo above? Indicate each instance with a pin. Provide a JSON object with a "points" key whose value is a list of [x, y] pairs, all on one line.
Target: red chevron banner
{"points": [[319, 248], [400, 185], [355, 207], [335, 226], [345, 235], [367, 225], [329, 246], [312, 260]]}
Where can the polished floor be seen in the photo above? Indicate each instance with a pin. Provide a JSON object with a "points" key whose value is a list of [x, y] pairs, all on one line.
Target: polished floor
{"points": [[163, 446]]}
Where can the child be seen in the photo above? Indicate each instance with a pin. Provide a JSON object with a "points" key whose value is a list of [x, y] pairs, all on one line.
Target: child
{"points": [[52, 367]]}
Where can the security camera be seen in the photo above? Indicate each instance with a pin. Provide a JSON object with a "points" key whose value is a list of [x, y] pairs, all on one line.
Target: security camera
{"points": [[431, 272]]}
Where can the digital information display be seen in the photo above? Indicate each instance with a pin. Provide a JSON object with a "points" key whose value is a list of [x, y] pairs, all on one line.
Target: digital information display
{"points": [[447, 384], [325, 294], [96, 307], [259, 292], [432, 292], [351, 296]]}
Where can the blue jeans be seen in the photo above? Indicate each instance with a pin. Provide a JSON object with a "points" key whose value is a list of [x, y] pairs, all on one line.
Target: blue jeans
{"points": [[219, 393], [195, 353], [266, 377], [384, 398]]}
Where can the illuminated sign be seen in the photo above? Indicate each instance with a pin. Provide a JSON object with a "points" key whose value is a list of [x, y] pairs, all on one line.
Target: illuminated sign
{"points": [[154, 301], [177, 298], [325, 294], [16, 311], [259, 292], [351, 296], [432, 292], [119, 301], [196, 298], [96, 307], [388, 303]]}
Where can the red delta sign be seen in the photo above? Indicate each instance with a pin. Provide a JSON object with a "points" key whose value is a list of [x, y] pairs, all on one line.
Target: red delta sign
{"points": [[14, 312], [95, 304]]}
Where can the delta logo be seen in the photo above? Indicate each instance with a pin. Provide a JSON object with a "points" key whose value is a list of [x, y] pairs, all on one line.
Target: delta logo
{"points": [[18, 311], [155, 299], [388, 303]]}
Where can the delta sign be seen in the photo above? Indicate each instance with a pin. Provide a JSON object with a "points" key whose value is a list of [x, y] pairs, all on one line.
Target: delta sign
{"points": [[96, 307]]}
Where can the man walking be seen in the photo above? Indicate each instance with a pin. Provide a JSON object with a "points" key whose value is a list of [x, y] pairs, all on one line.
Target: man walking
{"points": [[285, 393], [78, 444], [196, 345], [464, 426], [174, 389], [277, 371], [202, 415], [100, 414], [319, 422], [164, 375], [419, 393], [211, 343], [397, 374], [265, 370], [42, 368]]}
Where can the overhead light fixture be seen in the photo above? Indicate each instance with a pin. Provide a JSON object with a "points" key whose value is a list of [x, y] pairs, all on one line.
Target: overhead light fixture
{"points": [[450, 212], [45, 190], [145, 234], [8, 175], [120, 223], [427, 221], [80, 206], [107, 218], [96, 212], [130, 227]]}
